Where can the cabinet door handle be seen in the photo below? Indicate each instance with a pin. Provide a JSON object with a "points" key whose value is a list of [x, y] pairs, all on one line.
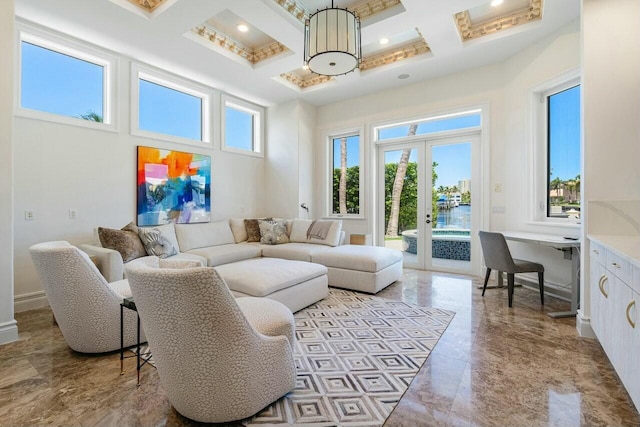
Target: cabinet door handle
{"points": [[603, 279], [595, 251], [631, 322], [616, 265]]}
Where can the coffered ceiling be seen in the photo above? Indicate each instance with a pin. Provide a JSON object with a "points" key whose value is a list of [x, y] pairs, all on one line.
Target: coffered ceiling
{"points": [[262, 61]]}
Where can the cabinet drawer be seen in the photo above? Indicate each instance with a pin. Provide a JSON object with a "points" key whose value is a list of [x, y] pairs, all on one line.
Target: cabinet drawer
{"points": [[619, 266], [598, 253], [635, 281]]}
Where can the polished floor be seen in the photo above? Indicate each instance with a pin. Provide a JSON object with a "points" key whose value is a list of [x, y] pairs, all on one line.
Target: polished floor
{"points": [[494, 366]]}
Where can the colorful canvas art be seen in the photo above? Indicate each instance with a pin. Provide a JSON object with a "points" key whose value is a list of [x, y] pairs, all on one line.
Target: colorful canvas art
{"points": [[173, 186]]}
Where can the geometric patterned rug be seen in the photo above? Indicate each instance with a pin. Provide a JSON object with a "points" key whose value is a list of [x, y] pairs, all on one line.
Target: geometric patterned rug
{"points": [[356, 355]]}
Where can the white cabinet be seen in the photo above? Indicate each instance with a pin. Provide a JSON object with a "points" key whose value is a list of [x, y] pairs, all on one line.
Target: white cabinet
{"points": [[615, 282]]}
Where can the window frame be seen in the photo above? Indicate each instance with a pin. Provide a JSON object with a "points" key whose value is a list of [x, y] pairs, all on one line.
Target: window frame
{"points": [[170, 81], [328, 137], [81, 52], [257, 112], [423, 118], [540, 147]]}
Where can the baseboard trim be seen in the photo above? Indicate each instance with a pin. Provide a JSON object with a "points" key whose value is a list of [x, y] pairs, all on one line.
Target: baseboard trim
{"points": [[8, 332], [583, 325], [30, 301]]}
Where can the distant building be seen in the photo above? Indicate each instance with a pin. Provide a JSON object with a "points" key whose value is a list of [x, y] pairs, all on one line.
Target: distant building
{"points": [[464, 185]]}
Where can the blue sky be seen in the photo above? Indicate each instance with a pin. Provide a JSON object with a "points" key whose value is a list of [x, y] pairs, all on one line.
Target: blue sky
{"points": [[564, 118], [69, 87]]}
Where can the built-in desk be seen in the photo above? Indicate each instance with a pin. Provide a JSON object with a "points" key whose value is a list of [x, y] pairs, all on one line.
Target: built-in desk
{"points": [[569, 246]]}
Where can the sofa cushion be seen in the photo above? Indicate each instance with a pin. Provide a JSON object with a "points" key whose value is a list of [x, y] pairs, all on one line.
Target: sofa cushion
{"points": [[273, 232], [295, 251], [156, 243], [203, 235], [126, 241], [300, 227], [263, 276], [356, 257], [238, 229], [224, 254]]}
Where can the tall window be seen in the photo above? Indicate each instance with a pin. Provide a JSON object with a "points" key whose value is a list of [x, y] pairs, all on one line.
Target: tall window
{"points": [[63, 81], [563, 152], [345, 174], [171, 108], [242, 130]]}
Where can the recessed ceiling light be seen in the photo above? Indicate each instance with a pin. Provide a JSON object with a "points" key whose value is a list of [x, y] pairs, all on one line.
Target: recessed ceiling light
{"points": [[495, 3], [384, 41], [243, 28], [403, 76]]}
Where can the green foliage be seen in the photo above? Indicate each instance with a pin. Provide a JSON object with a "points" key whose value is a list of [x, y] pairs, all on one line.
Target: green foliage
{"points": [[353, 190], [407, 218], [408, 198], [92, 116]]}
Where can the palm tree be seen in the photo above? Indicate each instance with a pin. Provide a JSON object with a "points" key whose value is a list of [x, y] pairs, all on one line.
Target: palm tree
{"points": [[398, 184], [342, 190], [92, 116], [555, 185], [577, 181]]}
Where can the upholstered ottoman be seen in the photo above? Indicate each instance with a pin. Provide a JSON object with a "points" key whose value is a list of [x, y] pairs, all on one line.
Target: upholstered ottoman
{"points": [[296, 284], [361, 268]]}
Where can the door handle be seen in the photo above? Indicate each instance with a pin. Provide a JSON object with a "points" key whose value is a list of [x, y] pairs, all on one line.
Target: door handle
{"points": [[428, 221]]}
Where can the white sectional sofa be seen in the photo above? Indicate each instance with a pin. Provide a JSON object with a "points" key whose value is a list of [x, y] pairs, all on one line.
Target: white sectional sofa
{"points": [[296, 273]]}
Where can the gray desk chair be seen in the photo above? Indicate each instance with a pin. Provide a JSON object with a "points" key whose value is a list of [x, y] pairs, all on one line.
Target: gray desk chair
{"points": [[497, 256]]}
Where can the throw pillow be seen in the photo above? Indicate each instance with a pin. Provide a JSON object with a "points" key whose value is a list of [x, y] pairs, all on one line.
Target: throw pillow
{"points": [[156, 243], [253, 229], [126, 241], [273, 232]]}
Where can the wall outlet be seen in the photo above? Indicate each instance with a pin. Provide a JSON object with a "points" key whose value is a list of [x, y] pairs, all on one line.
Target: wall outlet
{"points": [[73, 213], [497, 188], [497, 209], [29, 215]]}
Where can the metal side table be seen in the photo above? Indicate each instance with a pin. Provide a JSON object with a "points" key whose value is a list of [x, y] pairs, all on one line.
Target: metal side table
{"points": [[141, 359]]}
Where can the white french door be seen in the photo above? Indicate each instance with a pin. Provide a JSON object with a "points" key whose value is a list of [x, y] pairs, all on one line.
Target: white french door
{"points": [[436, 219]]}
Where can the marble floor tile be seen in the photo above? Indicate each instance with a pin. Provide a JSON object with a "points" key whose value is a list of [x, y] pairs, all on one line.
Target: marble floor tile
{"points": [[493, 366]]}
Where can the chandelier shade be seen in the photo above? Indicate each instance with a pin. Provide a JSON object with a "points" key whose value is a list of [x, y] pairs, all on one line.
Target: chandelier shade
{"points": [[332, 43]]}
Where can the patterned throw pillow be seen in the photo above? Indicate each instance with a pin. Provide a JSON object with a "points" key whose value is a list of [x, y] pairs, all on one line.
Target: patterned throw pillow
{"points": [[126, 241], [155, 243], [253, 229], [273, 232]]}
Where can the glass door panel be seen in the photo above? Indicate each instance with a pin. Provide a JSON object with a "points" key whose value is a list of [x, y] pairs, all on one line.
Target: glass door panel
{"points": [[402, 201], [451, 205]]}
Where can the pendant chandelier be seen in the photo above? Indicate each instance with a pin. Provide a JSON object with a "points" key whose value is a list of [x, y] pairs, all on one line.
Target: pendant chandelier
{"points": [[332, 41]]}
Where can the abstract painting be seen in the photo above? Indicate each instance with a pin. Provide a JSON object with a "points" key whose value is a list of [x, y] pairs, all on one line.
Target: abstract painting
{"points": [[173, 186]]}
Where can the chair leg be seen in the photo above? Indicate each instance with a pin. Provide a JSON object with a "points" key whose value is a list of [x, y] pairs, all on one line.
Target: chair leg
{"points": [[486, 280], [511, 284], [541, 284]]}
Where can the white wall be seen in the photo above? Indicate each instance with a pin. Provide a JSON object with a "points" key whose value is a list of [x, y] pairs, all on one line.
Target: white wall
{"points": [[8, 329], [611, 112], [505, 88], [59, 167], [289, 166]]}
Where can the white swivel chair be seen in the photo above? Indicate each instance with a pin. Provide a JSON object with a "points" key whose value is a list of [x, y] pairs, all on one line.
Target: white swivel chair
{"points": [[86, 307], [219, 358]]}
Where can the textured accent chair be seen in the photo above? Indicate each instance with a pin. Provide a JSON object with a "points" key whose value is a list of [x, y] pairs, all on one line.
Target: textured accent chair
{"points": [[86, 307], [219, 358], [497, 256]]}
